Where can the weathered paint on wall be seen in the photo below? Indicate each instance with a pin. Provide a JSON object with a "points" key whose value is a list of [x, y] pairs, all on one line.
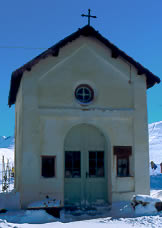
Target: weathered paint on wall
{"points": [[48, 111]]}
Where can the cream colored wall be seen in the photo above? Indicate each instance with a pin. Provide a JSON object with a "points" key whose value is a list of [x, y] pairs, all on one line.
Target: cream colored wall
{"points": [[50, 111], [140, 182], [18, 138], [88, 63]]}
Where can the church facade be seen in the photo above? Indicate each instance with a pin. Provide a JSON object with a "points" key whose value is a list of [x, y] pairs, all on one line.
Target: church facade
{"points": [[81, 131]]}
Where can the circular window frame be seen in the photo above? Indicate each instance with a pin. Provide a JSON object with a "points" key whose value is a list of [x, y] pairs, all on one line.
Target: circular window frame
{"points": [[89, 88]]}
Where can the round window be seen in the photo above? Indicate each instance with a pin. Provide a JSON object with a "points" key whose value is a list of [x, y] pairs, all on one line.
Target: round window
{"points": [[84, 94]]}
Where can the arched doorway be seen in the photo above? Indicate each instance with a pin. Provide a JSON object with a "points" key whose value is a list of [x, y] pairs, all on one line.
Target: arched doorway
{"points": [[85, 156]]}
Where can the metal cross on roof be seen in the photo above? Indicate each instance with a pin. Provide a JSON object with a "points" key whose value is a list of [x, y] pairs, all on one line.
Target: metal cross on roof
{"points": [[89, 16]]}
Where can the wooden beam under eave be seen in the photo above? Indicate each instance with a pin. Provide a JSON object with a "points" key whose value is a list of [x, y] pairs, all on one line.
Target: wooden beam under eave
{"points": [[55, 53], [140, 72], [28, 68], [114, 55]]}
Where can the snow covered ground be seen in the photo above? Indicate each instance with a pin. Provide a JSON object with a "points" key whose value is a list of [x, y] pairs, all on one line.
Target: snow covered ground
{"points": [[122, 215], [43, 220], [31, 220]]}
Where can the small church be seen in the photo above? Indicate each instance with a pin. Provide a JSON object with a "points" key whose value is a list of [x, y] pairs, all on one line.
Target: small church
{"points": [[81, 130]]}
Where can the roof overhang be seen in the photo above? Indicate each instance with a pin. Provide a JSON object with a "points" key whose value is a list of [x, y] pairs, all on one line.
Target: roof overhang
{"points": [[87, 31]]}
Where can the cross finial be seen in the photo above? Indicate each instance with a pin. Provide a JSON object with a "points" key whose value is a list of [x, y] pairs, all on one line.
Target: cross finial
{"points": [[89, 16]]}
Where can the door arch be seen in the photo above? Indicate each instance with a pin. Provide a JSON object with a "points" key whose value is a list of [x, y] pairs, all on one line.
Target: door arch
{"points": [[85, 165]]}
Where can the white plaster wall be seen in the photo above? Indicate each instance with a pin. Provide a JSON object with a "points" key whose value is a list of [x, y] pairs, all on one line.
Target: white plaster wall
{"points": [[50, 110], [18, 138], [140, 129], [86, 65]]}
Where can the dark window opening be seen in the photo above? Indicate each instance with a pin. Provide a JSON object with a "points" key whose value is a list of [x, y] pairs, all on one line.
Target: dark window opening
{"points": [[96, 163], [122, 166], [48, 166], [72, 164], [122, 157]]}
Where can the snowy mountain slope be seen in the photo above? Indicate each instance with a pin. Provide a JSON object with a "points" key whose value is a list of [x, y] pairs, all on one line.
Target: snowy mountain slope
{"points": [[7, 142], [2, 138], [155, 142], [6, 149]]}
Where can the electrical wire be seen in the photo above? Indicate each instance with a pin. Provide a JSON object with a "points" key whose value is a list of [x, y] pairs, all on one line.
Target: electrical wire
{"points": [[21, 47]]}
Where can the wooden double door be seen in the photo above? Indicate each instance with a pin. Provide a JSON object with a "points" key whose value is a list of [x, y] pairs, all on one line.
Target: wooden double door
{"points": [[85, 167]]}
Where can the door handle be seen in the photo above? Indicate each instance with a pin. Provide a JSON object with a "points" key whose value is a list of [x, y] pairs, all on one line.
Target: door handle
{"points": [[87, 174]]}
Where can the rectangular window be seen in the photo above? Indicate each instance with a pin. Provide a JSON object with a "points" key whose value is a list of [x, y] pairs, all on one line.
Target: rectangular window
{"points": [[72, 164], [122, 166], [122, 157], [48, 166], [96, 163]]}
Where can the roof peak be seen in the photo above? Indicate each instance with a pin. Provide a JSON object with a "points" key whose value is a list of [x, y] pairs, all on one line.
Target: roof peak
{"points": [[87, 31]]}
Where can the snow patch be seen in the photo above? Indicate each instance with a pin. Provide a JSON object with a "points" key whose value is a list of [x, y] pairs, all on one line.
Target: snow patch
{"points": [[27, 216], [144, 204], [146, 198], [10, 200]]}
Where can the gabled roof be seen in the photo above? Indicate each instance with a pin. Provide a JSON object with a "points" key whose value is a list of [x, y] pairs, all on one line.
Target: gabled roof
{"points": [[87, 31]]}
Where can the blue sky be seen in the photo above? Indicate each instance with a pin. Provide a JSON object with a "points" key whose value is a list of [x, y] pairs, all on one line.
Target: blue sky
{"points": [[133, 26]]}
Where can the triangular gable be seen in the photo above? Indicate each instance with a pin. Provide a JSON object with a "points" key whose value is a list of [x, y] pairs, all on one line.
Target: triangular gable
{"points": [[87, 31]]}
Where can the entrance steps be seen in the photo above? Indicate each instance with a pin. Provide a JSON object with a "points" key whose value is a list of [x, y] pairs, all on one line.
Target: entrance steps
{"points": [[73, 213]]}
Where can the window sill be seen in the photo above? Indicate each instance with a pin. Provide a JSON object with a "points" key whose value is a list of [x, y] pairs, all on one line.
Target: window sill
{"points": [[48, 177], [125, 176]]}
